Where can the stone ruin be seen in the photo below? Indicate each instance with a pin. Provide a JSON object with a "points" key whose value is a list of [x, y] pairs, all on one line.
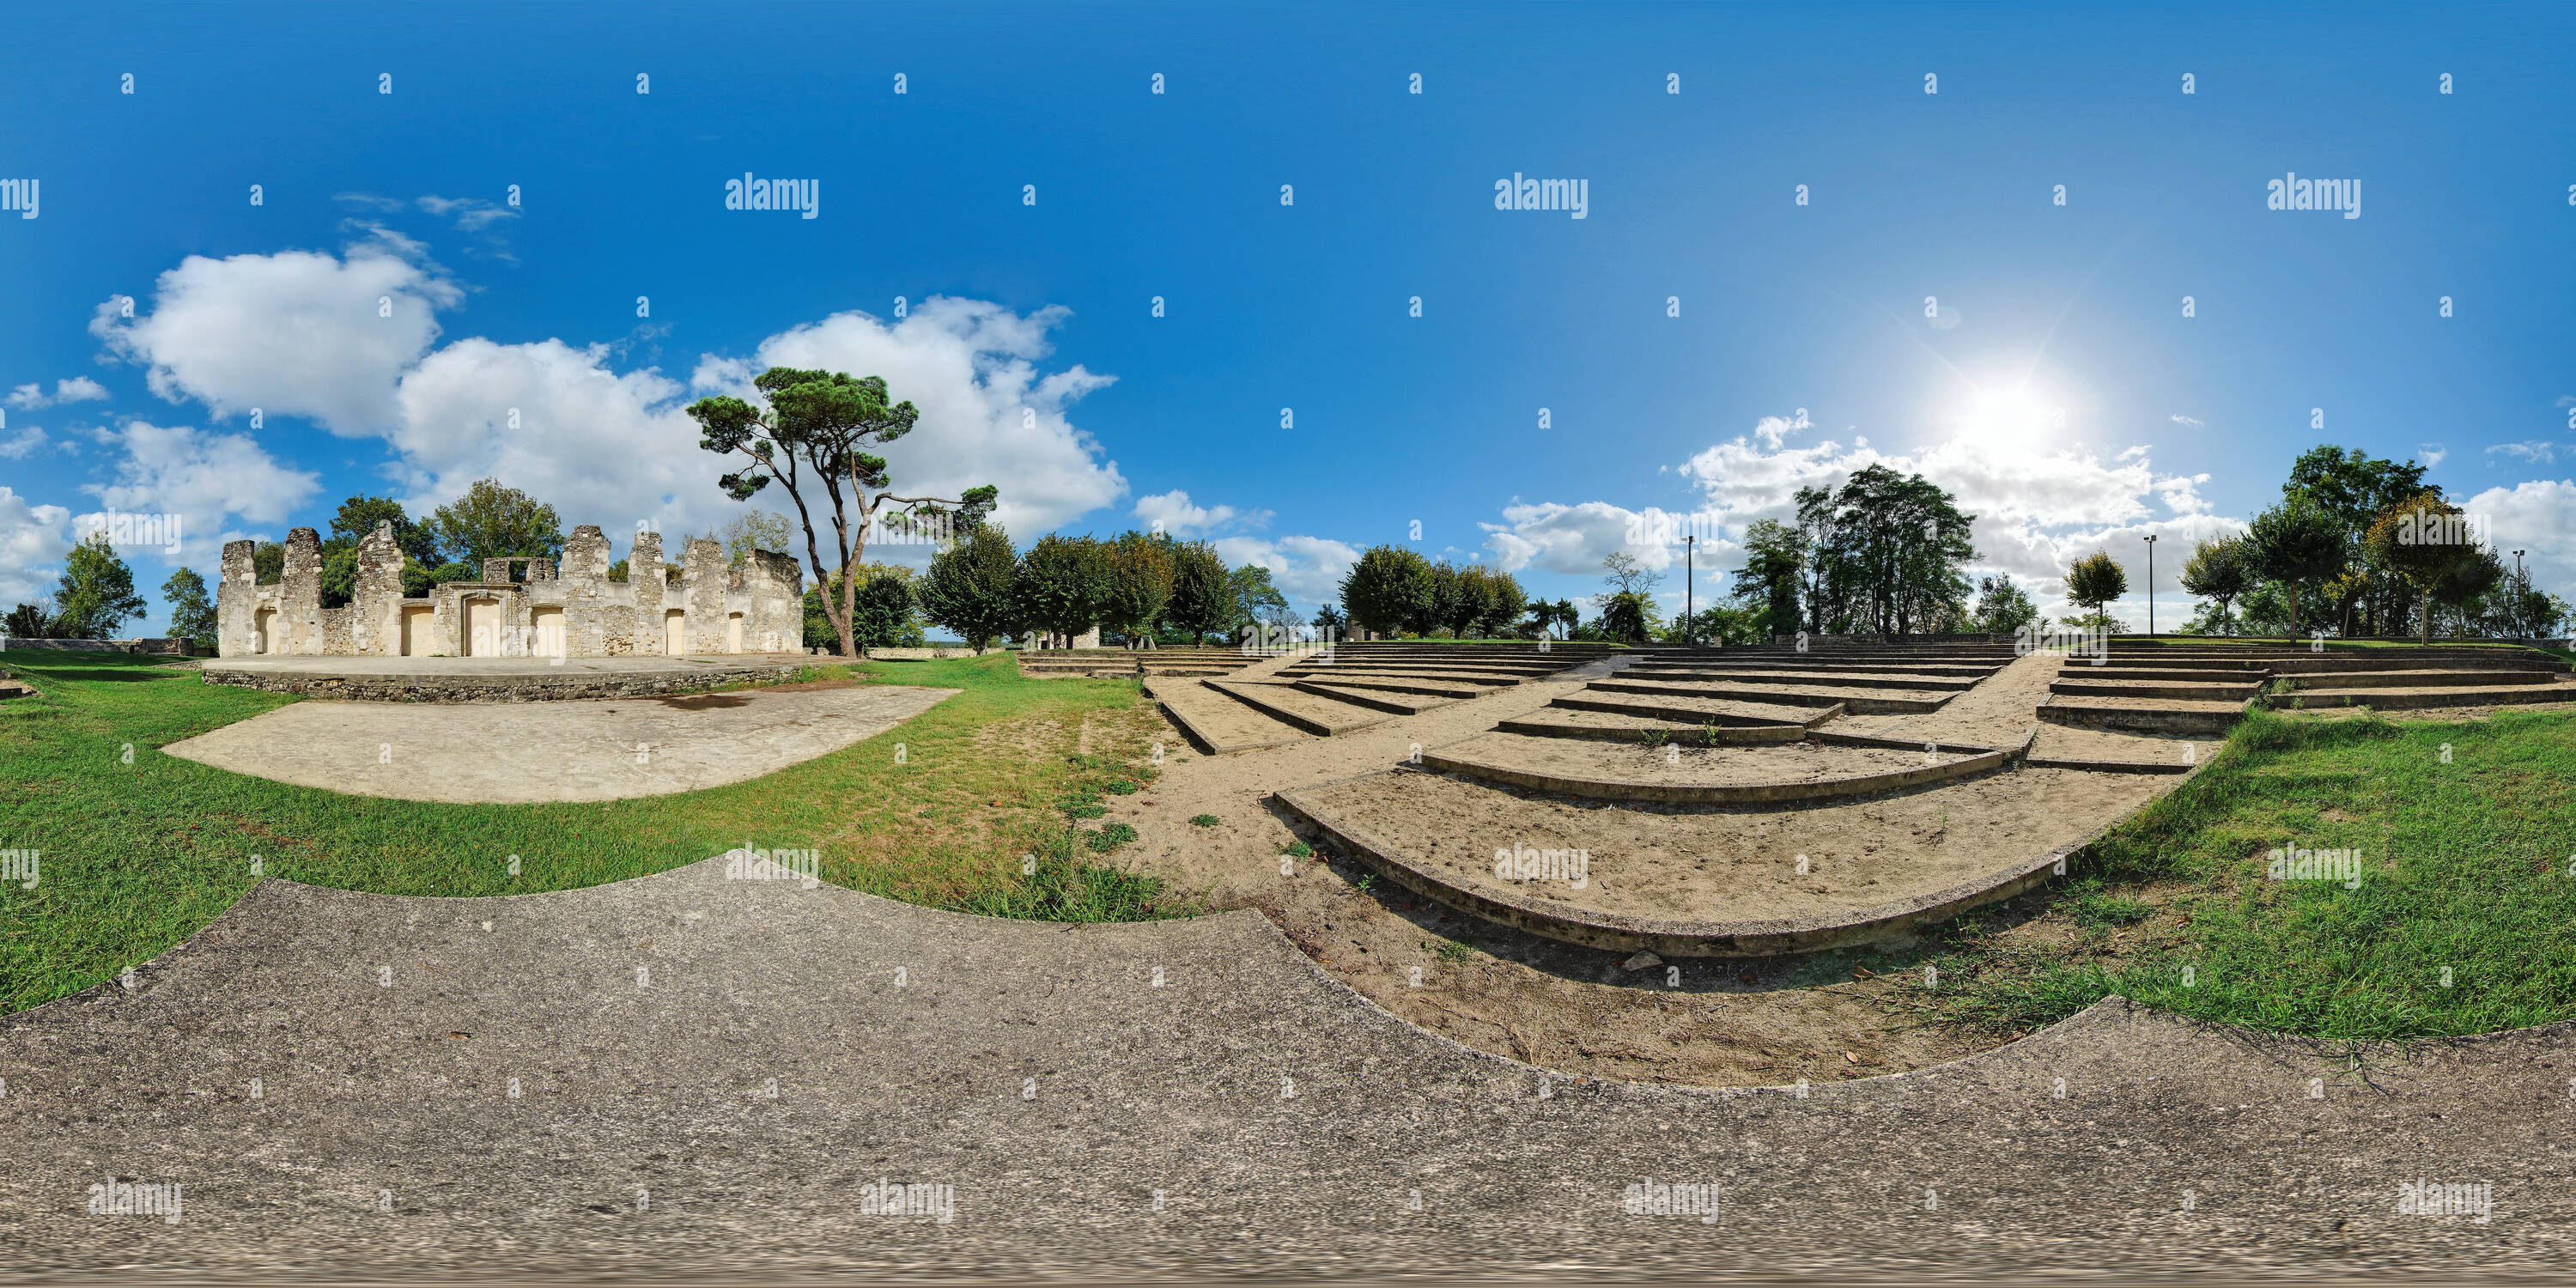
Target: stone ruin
{"points": [[569, 611]]}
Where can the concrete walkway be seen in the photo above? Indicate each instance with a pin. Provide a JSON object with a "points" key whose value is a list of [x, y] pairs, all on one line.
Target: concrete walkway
{"points": [[685, 1074], [516, 753]]}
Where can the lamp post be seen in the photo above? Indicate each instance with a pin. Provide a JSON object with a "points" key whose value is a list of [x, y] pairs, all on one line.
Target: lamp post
{"points": [[1690, 548], [2151, 585]]}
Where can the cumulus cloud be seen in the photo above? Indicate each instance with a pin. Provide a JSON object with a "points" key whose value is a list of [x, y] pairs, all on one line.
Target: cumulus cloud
{"points": [[76, 389], [22, 443], [1180, 518], [299, 333], [33, 541], [1308, 570], [2539, 518], [1574, 539], [553, 420], [2432, 453], [988, 414], [203, 477]]}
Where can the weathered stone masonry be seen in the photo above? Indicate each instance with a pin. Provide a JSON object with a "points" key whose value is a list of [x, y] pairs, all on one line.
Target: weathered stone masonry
{"points": [[569, 611]]}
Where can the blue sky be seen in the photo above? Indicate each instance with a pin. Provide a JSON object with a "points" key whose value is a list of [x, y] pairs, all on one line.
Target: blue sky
{"points": [[1041, 368]]}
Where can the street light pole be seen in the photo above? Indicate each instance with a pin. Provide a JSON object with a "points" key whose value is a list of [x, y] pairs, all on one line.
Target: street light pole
{"points": [[2151, 585], [1690, 548]]}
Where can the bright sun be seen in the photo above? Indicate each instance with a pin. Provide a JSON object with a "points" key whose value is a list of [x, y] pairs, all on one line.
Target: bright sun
{"points": [[2010, 419]]}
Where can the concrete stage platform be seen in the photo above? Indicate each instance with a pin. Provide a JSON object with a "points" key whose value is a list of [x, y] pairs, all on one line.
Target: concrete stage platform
{"points": [[500, 679], [599, 750]]}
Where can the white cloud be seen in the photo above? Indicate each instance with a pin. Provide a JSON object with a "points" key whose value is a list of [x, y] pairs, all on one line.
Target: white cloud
{"points": [[203, 477], [19, 445], [295, 333], [1574, 539], [552, 420], [2180, 419], [2432, 453], [76, 389], [31, 538], [1308, 570], [2535, 451], [1182, 519], [987, 414], [2539, 518], [472, 214]]}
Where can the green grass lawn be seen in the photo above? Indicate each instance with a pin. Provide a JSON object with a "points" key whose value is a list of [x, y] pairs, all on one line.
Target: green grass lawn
{"points": [[2464, 920], [135, 856]]}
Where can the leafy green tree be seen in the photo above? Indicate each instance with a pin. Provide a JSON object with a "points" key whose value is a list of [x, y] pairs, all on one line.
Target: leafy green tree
{"points": [[1256, 601], [1627, 576], [968, 588], [268, 563], [1329, 618], [495, 522], [754, 530], [883, 610], [2356, 489], [2096, 580], [1465, 596], [97, 593], [2219, 570], [813, 435], [1505, 602], [1140, 568], [192, 613], [359, 516], [2002, 607], [1775, 553], [1629, 616], [2296, 541], [1064, 585], [31, 621], [1202, 593], [1884, 554], [1388, 588]]}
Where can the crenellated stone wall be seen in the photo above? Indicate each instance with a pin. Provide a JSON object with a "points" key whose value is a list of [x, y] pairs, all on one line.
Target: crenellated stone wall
{"points": [[496, 617]]}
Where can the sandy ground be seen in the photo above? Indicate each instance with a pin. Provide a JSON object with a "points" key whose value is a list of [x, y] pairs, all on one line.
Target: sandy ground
{"points": [[587, 750], [1679, 762], [1739, 1022], [1681, 863]]}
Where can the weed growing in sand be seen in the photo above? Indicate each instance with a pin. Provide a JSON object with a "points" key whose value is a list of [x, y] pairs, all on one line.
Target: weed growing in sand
{"points": [[1203, 820]]}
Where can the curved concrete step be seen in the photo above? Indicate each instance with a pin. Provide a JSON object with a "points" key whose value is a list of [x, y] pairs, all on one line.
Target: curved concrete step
{"points": [[2201, 692], [1686, 882], [1710, 776], [2420, 699], [2145, 715], [1600, 726], [1858, 699], [1697, 711]]}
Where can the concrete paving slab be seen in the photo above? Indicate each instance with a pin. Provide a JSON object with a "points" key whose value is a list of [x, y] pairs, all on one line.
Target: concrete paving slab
{"points": [[590, 750], [689, 1076]]}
